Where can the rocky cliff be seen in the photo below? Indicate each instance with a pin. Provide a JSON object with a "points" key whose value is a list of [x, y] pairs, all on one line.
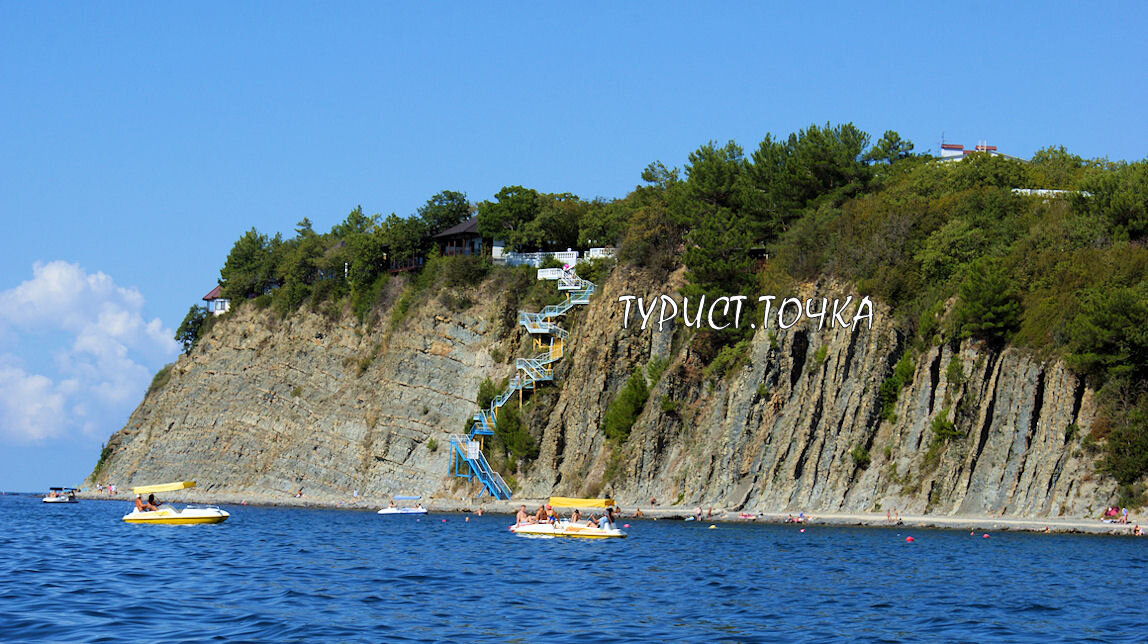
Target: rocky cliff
{"points": [[265, 406]]}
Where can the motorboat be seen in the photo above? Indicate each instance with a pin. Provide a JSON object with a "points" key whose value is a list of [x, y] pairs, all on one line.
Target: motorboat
{"points": [[415, 509], [565, 527], [61, 495], [168, 515]]}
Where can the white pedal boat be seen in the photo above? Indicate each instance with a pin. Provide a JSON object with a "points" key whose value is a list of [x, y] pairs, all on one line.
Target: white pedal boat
{"points": [[403, 511], [61, 495], [564, 528], [393, 509]]}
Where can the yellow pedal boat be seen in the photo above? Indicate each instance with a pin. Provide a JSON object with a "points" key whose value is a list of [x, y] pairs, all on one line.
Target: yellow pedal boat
{"points": [[167, 515]]}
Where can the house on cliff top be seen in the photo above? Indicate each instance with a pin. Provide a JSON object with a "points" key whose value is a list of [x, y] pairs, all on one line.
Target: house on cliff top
{"points": [[216, 304], [460, 239]]}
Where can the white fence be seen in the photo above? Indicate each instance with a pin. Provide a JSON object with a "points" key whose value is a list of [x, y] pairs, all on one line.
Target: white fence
{"points": [[566, 257]]}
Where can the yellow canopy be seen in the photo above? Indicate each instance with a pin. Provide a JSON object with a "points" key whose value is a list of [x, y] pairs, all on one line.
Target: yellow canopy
{"points": [[163, 487], [566, 502]]}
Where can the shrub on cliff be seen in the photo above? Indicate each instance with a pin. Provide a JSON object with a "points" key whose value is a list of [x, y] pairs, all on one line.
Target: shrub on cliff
{"points": [[626, 408], [511, 431], [192, 328], [161, 379]]}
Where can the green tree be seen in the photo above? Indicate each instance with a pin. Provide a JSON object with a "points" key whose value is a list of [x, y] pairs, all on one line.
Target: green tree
{"points": [[508, 217], [816, 163], [368, 258], [404, 237], [717, 255], [982, 169], [299, 267], [1054, 167], [191, 328], [511, 430], [949, 248], [445, 209], [603, 223], [713, 178], [248, 268], [356, 223], [1108, 338], [890, 149], [555, 227], [989, 308], [1120, 195]]}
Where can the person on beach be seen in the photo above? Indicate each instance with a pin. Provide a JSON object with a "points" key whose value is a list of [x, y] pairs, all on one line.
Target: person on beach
{"points": [[1136, 531], [521, 517], [638, 513]]}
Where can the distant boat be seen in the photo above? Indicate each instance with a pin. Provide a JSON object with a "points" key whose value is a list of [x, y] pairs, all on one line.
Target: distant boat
{"points": [[393, 509], [61, 495], [168, 515]]}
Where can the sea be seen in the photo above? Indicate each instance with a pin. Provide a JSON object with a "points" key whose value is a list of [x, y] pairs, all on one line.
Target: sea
{"points": [[77, 573]]}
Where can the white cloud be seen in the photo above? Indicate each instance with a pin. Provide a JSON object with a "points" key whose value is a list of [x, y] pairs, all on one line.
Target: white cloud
{"points": [[94, 333], [31, 406]]}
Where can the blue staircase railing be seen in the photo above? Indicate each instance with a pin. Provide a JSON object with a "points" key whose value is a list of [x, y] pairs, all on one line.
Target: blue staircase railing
{"points": [[467, 460], [477, 467]]}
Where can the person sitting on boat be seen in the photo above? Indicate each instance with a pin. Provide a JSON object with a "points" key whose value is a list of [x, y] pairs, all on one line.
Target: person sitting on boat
{"points": [[521, 517], [540, 515], [141, 506], [153, 502], [607, 520], [575, 515], [551, 515], [392, 505]]}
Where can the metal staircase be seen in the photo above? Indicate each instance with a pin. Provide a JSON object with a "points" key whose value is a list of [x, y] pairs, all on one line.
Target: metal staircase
{"points": [[467, 460]]}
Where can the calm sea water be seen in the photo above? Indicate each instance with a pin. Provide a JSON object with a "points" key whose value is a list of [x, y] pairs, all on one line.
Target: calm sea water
{"points": [[78, 573]]}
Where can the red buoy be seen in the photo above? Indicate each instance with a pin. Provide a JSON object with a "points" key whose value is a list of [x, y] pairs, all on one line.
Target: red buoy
{"points": [[986, 535], [909, 539]]}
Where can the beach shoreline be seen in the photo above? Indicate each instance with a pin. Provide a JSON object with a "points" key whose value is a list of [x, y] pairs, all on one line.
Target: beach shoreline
{"points": [[977, 523]]}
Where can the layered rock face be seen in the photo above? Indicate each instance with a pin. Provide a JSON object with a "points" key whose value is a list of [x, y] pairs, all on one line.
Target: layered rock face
{"points": [[269, 407]]}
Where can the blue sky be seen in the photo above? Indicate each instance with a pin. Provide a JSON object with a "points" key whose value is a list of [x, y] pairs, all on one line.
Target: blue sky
{"points": [[139, 141]]}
